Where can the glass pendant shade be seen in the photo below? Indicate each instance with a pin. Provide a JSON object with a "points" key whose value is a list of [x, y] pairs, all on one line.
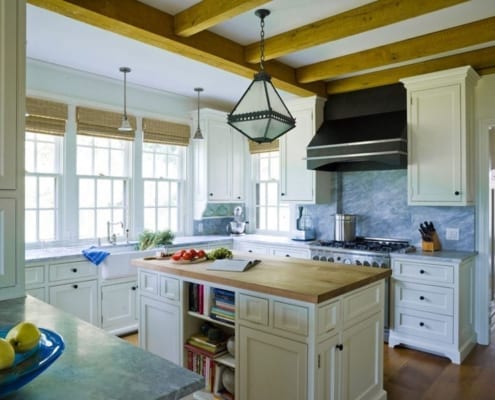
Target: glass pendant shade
{"points": [[260, 114]]}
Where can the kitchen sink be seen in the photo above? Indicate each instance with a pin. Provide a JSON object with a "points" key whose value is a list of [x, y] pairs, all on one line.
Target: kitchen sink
{"points": [[118, 265]]}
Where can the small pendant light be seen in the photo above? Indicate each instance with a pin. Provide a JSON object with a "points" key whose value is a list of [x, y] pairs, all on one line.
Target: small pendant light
{"points": [[125, 126], [260, 114], [198, 135]]}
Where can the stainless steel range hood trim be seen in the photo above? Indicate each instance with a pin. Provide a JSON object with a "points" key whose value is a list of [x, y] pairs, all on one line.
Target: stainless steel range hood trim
{"points": [[346, 156], [367, 142]]}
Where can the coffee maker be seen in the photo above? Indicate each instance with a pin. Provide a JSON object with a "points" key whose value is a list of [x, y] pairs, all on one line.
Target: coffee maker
{"points": [[304, 226]]}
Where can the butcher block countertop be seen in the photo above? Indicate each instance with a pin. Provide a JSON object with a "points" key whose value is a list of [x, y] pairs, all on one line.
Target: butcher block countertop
{"points": [[297, 279]]}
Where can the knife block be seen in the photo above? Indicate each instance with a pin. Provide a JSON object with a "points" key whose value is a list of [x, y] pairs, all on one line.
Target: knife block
{"points": [[434, 245]]}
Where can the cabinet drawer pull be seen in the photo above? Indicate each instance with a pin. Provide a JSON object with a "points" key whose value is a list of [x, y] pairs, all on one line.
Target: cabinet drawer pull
{"points": [[421, 324], [282, 194], [75, 286], [457, 193], [339, 347], [74, 270], [287, 255], [422, 271], [211, 194], [250, 251], [134, 287], [421, 297]]}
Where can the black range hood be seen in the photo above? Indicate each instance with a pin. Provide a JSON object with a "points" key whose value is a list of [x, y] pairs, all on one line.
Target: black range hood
{"points": [[363, 130]]}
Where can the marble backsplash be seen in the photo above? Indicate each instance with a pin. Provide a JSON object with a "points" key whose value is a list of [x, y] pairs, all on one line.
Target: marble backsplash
{"points": [[379, 199]]}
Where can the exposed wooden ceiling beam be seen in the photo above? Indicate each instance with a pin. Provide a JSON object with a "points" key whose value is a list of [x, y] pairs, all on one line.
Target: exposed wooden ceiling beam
{"points": [[146, 24], [422, 46], [370, 16], [207, 13], [483, 61]]}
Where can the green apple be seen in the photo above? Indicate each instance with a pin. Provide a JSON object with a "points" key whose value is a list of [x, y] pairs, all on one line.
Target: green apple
{"points": [[7, 354], [24, 336]]}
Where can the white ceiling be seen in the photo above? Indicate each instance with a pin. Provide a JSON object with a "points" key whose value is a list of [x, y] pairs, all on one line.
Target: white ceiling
{"points": [[63, 41]]}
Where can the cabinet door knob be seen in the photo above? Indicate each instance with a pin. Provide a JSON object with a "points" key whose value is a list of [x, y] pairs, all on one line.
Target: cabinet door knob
{"points": [[339, 347], [422, 271], [250, 251], [287, 255], [457, 193], [282, 194], [421, 324], [421, 297], [211, 194], [74, 270], [75, 286], [134, 287], [238, 197]]}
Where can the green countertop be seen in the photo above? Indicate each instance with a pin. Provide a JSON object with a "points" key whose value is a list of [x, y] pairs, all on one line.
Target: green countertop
{"points": [[95, 365]]}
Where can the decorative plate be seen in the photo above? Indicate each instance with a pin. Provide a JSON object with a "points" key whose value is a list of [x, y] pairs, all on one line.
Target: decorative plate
{"points": [[29, 365]]}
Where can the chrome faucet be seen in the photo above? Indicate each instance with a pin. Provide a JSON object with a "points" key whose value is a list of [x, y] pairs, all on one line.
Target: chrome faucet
{"points": [[112, 237]]}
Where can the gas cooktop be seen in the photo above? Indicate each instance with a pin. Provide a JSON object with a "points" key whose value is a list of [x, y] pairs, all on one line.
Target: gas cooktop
{"points": [[377, 245]]}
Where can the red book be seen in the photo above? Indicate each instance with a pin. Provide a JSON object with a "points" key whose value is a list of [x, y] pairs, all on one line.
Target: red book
{"points": [[201, 296]]}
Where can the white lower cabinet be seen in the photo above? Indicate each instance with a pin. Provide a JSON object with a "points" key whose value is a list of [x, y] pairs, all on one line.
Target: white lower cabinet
{"points": [[159, 329], [433, 305], [79, 299], [119, 307], [279, 250], [271, 367], [328, 376]]}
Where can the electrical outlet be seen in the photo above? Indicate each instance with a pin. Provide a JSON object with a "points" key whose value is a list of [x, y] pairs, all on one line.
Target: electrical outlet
{"points": [[452, 234], [200, 227]]}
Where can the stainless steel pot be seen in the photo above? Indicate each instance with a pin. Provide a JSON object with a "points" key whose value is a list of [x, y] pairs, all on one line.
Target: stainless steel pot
{"points": [[345, 227]]}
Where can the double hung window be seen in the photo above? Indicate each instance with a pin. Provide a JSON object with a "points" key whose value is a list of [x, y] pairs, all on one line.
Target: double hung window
{"points": [[271, 214]]}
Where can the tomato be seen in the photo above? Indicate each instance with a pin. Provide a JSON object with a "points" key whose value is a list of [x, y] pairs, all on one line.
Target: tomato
{"points": [[176, 256], [201, 253], [187, 255], [193, 252]]}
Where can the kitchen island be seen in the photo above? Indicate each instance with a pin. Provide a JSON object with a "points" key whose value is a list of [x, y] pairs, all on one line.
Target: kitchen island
{"points": [[94, 364], [304, 329]]}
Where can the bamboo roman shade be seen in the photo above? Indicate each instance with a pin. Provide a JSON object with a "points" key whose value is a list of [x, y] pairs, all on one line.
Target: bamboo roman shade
{"points": [[163, 132], [92, 122], [45, 116], [255, 148]]}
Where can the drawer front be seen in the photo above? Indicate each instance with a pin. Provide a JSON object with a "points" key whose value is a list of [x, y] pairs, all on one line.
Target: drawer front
{"points": [[252, 248], [423, 272], [253, 309], [35, 276], [328, 318], [72, 271], [148, 282], [39, 293], [432, 327], [296, 253], [169, 288], [291, 318], [424, 297], [362, 303]]}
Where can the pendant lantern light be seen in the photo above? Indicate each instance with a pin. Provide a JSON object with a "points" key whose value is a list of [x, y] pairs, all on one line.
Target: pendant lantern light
{"points": [[198, 135], [125, 126], [260, 114]]}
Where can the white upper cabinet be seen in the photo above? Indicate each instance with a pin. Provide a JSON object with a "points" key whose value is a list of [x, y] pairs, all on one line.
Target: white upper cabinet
{"points": [[440, 137], [226, 156], [9, 51], [298, 184]]}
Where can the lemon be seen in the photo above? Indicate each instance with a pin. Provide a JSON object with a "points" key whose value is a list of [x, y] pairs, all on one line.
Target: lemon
{"points": [[7, 354], [24, 336]]}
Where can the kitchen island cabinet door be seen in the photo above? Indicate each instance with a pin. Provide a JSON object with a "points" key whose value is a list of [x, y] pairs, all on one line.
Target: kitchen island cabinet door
{"points": [[159, 329], [362, 360], [329, 369], [79, 299], [271, 367]]}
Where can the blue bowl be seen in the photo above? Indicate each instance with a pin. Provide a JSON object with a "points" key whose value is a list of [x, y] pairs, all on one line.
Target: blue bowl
{"points": [[29, 365]]}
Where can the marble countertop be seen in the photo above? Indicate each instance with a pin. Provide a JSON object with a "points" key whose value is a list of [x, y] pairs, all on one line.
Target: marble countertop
{"points": [[442, 255], [95, 365]]}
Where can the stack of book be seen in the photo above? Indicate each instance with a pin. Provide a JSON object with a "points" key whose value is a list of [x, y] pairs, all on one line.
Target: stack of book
{"points": [[201, 354], [223, 306]]}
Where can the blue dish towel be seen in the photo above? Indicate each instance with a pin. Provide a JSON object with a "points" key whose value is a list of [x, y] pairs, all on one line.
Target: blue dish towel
{"points": [[94, 255]]}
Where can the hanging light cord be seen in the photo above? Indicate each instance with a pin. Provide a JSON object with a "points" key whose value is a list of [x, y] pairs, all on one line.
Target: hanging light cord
{"points": [[262, 43], [125, 95], [198, 108]]}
